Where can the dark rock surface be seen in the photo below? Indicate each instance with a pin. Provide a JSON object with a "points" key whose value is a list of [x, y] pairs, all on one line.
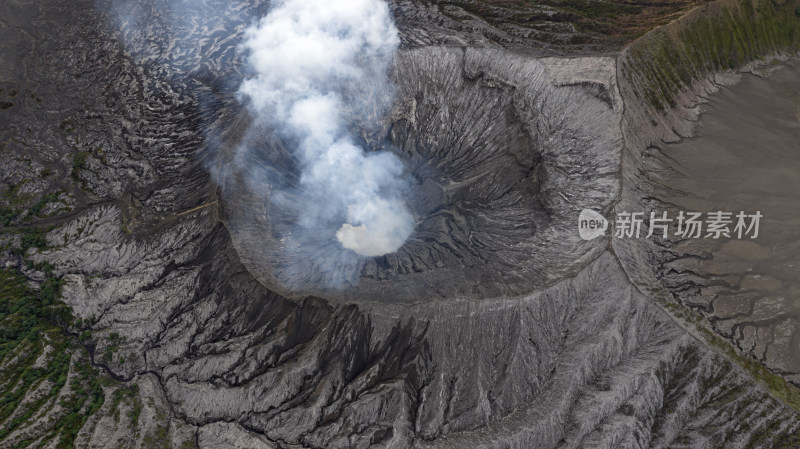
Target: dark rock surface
{"points": [[495, 327]]}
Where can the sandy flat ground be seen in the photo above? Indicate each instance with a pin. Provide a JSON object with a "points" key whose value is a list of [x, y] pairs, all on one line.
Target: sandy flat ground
{"points": [[746, 157]]}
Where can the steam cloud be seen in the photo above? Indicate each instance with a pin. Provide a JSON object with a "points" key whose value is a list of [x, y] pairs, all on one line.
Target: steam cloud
{"points": [[320, 68]]}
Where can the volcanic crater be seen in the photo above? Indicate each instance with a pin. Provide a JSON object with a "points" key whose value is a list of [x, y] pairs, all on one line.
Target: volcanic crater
{"points": [[501, 156]]}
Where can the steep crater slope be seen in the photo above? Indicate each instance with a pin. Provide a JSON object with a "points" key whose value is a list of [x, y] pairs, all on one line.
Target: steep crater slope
{"points": [[167, 308], [534, 27], [503, 152]]}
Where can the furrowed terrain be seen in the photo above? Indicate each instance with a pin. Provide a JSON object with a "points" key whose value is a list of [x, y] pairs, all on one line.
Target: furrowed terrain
{"points": [[142, 307]]}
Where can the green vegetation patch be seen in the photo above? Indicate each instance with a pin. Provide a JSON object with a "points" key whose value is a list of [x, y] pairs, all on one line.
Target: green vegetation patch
{"points": [[712, 39], [7, 214], [12, 196], [32, 238], [43, 371], [49, 198], [78, 164], [25, 315], [777, 385], [774, 383]]}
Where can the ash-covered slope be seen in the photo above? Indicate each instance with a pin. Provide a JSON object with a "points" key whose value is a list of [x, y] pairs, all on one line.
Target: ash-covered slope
{"points": [[583, 363], [747, 140], [502, 151], [195, 344]]}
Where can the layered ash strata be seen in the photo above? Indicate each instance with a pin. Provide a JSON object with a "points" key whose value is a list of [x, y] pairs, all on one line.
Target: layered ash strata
{"points": [[538, 339]]}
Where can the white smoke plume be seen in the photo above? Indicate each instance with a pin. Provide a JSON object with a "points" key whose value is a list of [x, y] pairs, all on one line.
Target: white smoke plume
{"points": [[319, 67]]}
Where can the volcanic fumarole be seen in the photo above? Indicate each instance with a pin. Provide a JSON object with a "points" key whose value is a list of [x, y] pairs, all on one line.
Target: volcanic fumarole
{"points": [[319, 66]]}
